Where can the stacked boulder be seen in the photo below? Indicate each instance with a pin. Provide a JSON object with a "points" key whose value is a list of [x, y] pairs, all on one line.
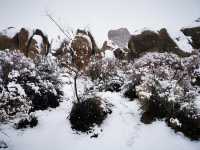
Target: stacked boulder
{"points": [[24, 41], [150, 41], [77, 51], [118, 43], [120, 37]]}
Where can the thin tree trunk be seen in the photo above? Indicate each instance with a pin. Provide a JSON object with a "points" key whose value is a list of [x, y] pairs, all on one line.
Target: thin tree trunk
{"points": [[75, 88]]}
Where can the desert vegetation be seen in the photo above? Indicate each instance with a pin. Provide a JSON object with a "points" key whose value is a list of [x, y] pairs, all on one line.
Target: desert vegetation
{"points": [[151, 69]]}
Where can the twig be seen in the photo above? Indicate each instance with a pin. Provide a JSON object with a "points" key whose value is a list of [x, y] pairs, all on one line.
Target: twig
{"points": [[61, 29]]}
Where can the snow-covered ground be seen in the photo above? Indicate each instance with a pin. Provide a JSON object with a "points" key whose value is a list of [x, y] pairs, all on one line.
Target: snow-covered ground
{"points": [[122, 130]]}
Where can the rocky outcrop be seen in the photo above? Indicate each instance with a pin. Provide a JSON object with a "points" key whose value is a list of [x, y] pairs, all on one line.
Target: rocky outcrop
{"points": [[83, 46], [78, 51], [43, 48], [24, 41], [194, 33], [150, 41], [120, 37]]}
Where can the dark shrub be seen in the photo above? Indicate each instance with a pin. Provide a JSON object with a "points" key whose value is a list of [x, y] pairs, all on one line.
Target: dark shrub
{"points": [[147, 117], [27, 85], [158, 106], [114, 85], [187, 122], [179, 110], [23, 123], [130, 92], [27, 122], [33, 122], [94, 135], [195, 78], [155, 109], [165, 91], [43, 99], [3, 145], [119, 54], [86, 114]]}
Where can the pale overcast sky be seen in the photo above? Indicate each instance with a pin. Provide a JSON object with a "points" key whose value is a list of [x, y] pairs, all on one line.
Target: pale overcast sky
{"points": [[99, 15]]}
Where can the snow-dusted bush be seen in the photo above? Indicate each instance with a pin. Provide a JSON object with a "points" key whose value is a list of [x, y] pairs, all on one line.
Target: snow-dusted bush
{"points": [[129, 91], [107, 74], [13, 97], [88, 113], [25, 85], [186, 120], [102, 70], [165, 89], [46, 90]]}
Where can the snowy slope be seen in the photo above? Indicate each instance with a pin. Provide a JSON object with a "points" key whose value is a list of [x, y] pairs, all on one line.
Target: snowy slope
{"points": [[122, 130], [181, 40]]}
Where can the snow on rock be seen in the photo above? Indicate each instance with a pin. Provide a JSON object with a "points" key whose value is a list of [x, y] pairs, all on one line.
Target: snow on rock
{"points": [[9, 32], [109, 54], [39, 42], [139, 31], [181, 40]]}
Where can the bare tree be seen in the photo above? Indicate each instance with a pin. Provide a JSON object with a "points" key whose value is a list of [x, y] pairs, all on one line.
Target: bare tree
{"points": [[72, 68]]}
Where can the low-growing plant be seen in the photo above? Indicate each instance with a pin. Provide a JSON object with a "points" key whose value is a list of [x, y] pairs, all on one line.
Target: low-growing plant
{"points": [[26, 85], [31, 122], [165, 91], [88, 113]]}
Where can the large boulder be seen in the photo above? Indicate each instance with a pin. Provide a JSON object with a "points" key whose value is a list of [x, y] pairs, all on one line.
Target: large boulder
{"points": [[150, 41], [120, 37], [194, 33], [83, 46], [24, 41]]}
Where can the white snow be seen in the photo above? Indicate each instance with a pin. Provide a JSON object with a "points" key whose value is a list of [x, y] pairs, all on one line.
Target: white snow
{"points": [[139, 31], [122, 130], [175, 121], [197, 102], [182, 41], [12, 86], [109, 54], [12, 31], [9, 32], [39, 42]]}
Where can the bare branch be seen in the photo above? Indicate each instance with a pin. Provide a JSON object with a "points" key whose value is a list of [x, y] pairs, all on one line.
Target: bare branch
{"points": [[61, 29]]}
